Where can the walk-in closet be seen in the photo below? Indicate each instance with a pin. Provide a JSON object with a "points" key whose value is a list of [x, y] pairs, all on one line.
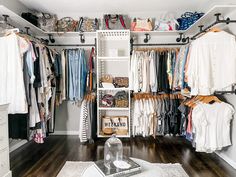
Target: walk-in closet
{"points": [[107, 88]]}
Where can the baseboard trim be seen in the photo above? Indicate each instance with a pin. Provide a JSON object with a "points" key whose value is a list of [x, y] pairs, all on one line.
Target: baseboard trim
{"points": [[17, 145], [227, 159], [66, 133]]}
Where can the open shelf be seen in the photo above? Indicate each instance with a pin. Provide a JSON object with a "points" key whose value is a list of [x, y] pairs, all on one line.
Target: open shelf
{"points": [[19, 22], [209, 17], [123, 58], [113, 109], [113, 89]]}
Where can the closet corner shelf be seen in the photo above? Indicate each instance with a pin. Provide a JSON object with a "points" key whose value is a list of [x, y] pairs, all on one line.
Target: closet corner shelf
{"points": [[209, 17], [19, 22], [113, 109], [113, 89]]}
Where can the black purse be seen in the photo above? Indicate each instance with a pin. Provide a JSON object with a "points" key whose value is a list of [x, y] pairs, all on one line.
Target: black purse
{"points": [[30, 18]]}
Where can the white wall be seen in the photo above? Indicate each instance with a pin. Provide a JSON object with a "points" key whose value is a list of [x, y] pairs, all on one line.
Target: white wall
{"points": [[229, 154], [14, 5], [67, 115]]}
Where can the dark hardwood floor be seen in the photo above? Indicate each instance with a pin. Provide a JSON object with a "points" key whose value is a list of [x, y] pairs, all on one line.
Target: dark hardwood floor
{"points": [[46, 160]]}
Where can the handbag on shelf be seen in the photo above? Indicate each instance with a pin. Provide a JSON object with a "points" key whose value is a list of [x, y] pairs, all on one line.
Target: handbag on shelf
{"points": [[121, 82], [107, 126], [121, 99], [66, 24], [115, 21], [166, 23], [88, 24], [187, 19], [122, 122], [107, 101], [107, 78], [47, 22], [115, 124], [141, 24], [30, 18]]}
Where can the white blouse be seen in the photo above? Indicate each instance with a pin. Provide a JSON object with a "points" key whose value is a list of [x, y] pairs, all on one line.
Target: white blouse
{"points": [[12, 89], [211, 125], [212, 64]]}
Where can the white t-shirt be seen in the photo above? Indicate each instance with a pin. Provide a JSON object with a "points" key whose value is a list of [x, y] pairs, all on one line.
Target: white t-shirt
{"points": [[211, 124]]}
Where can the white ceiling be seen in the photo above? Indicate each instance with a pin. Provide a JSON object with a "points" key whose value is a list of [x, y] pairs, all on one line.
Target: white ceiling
{"points": [[76, 8]]}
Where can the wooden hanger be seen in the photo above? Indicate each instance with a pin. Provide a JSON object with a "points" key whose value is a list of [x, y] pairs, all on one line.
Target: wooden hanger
{"points": [[215, 29], [209, 99]]}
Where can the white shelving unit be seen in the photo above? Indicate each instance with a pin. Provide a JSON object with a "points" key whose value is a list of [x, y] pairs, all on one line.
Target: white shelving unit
{"points": [[117, 66]]}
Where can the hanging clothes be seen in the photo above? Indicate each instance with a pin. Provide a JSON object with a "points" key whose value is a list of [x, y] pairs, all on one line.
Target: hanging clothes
{"points": [[12, 89], [152, 71], [205, 121], [199, 66], [32, 92], [88, 119], [156, 115]]}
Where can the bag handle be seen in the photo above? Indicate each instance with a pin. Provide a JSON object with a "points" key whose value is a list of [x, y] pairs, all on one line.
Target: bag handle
{"points": [[122, 21], [187, 14], [107, 21], [81, 20]]}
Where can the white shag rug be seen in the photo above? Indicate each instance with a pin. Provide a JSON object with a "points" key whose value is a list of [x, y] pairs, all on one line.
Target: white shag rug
{"points": [[87, 169]]}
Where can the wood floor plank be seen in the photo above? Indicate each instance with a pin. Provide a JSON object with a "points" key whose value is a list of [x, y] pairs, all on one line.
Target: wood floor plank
{"points": [[46, 160]]}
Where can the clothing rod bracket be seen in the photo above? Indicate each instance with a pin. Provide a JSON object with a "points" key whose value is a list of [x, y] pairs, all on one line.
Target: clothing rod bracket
{"points": [[147, 38], [5, 17], [51, 39], [27, 30], [180, 37], [82, 38]]}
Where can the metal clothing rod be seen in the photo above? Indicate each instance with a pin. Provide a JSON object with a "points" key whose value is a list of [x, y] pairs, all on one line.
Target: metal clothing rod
{"points": [[225, 92], [159, 44], [71, 45], [210, 26]]}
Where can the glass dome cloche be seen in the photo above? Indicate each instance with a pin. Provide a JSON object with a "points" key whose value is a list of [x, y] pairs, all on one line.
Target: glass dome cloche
{"points": [[113, 151]]}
